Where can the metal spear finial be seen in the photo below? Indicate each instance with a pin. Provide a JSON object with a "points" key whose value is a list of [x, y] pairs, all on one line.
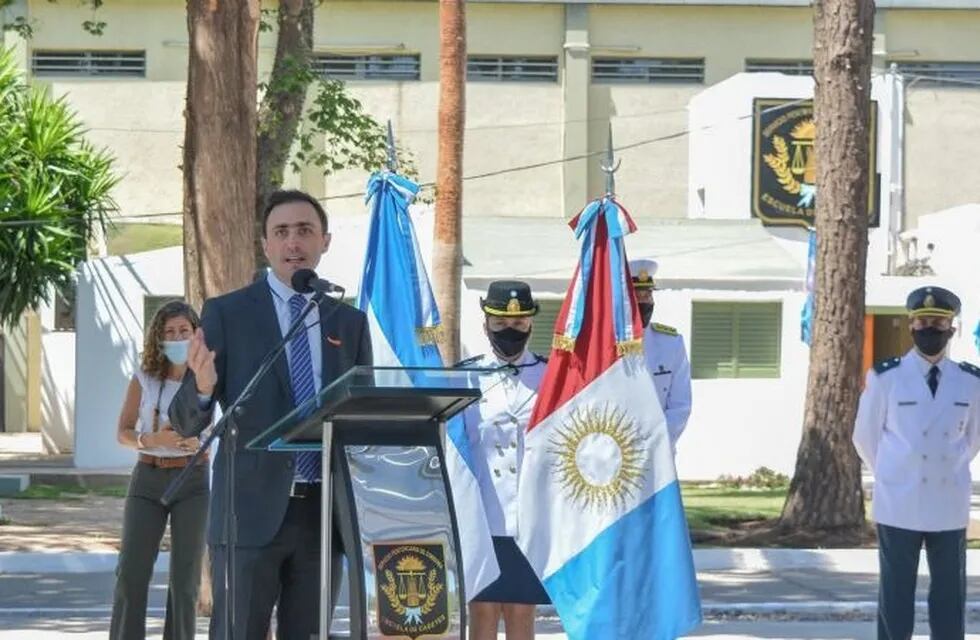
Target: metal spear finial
{"points": [[610, 166], [392, 154]]}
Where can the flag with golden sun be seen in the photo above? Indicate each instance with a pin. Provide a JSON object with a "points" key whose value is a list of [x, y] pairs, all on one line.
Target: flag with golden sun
{"points": [[599, 508]]}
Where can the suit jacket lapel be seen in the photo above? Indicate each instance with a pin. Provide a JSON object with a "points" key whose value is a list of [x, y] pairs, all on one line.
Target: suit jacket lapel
{"points": [[270, 332], [329, 353]]}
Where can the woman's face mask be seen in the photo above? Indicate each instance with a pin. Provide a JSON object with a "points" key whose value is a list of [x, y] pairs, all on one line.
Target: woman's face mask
{"points": [[509, 342], [176, 350]]}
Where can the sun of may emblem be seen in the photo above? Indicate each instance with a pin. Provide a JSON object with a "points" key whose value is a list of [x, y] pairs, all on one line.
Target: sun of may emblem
{"points": [[599, 457]]}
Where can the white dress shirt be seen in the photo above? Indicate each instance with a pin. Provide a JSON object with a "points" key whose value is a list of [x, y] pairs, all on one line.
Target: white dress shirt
{"points": [[281, 294]]}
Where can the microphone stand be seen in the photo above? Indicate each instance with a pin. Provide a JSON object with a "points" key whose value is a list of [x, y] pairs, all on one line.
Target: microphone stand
{"points": [[228, 428]]}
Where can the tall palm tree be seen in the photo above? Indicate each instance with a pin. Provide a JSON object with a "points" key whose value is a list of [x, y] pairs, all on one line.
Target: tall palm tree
{"points": [[447, 259]]}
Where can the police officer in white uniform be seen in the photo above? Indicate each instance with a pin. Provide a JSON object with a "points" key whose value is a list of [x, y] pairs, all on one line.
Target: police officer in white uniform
{"points": [[666, 357], [495, 427], [917, 429]]}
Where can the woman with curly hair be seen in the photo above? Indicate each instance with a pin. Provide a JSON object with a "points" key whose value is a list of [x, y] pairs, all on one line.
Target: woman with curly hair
{"points": [[163, 453]]}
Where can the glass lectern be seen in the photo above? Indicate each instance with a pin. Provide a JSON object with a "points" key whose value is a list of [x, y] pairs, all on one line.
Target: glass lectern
{"points": [[382, 432]]}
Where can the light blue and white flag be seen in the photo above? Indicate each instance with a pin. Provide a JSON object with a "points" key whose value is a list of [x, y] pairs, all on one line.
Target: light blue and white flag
{"points": [[809, 309], [401, 309]]}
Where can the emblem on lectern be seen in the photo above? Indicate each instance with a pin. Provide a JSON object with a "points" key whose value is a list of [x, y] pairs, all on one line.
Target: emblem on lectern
{"points": [[411, 584]]}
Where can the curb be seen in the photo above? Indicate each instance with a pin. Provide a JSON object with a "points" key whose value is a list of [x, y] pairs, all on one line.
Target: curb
{"points": [[843, 561], [56, 561], [846, 561]]}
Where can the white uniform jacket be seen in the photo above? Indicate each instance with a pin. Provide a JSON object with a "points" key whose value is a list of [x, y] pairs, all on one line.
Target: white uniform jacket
{"points": [[666, 358], [919, 447], [495, 428]]}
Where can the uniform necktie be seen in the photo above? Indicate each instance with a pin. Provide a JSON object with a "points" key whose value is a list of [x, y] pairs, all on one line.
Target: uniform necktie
{"points": [[933, 380], [304, 387]]}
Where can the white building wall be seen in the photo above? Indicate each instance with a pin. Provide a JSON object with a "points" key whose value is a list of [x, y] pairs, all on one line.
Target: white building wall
{"points": [[720, 154], [731, 417], [58, 391], [110, 337]]}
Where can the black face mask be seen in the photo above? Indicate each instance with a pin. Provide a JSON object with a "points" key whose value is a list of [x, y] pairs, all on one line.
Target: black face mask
{"points": [[646, 312], [509, 342], [931, 341]]}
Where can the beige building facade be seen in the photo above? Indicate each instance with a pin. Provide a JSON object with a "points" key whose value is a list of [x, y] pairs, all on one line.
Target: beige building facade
{"points": [[546, 80]]}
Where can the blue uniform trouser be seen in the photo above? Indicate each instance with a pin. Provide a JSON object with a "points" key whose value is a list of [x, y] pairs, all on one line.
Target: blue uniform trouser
{"points": [[898, 560]]}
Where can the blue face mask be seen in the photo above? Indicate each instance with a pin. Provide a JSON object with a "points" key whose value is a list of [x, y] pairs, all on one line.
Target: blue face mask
{"points": [[176, 350]]}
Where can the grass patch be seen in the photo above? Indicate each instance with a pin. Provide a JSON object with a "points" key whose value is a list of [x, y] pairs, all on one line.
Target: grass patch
{"points": [[710, 507], [125, 238], [68, 492]]}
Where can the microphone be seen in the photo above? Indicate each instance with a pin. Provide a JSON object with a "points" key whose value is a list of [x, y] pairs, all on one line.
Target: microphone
{"points": [[306, 280]]}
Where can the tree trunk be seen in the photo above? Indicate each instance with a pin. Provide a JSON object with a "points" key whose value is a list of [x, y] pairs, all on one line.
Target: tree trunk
{"points": [[219, 147], [825, 494], [282, 105], [219, 159], [447, 259]]}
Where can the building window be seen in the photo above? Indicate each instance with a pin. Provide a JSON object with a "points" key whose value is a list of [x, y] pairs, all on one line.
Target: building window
{"points": [[512, 68], [736, 339], [341, 67], [152, 304], [126, 64], [789, 67], [941, 74], [648, 70]]}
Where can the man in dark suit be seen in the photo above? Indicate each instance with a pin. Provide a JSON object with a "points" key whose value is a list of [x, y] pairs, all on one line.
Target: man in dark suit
{"points": [[278, 496]]}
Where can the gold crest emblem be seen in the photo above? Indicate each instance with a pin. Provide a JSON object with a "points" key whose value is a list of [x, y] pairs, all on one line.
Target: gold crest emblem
{"points": [[795, 171], [513, 306], [411, 584], [929, 302], [644, 275], [785, 162]]}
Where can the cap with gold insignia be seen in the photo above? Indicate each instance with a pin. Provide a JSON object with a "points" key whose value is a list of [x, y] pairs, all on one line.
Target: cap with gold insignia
{"points": [[932, 301], [509, 298], [642, 272]]}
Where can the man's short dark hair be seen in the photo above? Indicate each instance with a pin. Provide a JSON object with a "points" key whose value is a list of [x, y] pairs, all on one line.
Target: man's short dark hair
{"points": [[285, 196]]}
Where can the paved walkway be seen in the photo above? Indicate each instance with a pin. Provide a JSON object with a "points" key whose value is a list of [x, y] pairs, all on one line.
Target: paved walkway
{"points": [[57, 559]]}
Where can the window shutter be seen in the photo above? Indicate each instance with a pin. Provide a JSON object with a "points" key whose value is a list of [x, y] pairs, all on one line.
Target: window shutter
{"points": [[89, 63], [544, 327], [712, 347], [736, 340], [758, 340]]}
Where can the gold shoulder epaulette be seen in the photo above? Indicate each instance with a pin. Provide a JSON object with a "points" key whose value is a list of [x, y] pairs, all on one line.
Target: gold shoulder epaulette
{"points": [[663, 328]]}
